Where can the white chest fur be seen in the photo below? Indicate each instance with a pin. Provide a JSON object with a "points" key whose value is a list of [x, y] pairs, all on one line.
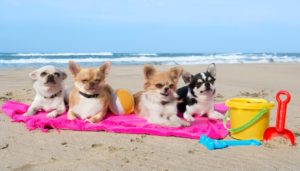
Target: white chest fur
{"points": [[48, 104], [87, 107], [204, 105], [150, 105], [51, 104]]}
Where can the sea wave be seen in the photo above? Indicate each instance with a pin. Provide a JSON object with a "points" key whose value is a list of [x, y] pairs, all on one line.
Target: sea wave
{"points": [[65, 54], [169, 60], [144, 54]]}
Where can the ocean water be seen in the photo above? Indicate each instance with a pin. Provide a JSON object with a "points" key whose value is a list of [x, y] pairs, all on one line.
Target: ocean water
{"points": [[33, 60]]}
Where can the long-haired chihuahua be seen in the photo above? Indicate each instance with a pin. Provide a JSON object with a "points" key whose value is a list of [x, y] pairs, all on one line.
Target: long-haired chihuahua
{"points": [[157, 103]]}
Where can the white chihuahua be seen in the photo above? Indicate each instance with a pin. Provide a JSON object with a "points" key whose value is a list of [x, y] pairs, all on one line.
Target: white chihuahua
{"points": [[50, 93]]}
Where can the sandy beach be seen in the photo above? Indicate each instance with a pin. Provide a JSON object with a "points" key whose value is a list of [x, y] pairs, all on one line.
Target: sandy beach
{"points": [[70, 150]]}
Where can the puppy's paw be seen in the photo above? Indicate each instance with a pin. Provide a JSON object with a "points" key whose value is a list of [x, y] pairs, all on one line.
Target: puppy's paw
{"points": [[52, 114], [71, 117], [28, 113], [175, 125], [185, 123], [179, 121], [215, 115], [188, 117], [92, 120]]}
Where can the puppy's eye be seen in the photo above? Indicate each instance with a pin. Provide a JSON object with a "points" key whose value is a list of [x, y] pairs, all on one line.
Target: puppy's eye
{"points": [[84, 81], [159, 85], [212, 80], [171, 86], [97, 80], [57, 74], [43, 74], [198, 84]]}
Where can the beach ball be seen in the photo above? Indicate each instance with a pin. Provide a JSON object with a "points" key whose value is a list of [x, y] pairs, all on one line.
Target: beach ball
{"points": [[123, 102]]}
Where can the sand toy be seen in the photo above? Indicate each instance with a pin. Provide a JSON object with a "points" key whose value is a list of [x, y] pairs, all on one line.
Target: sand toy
{"points": [[212, 144], [249, 117], [280, 130]]}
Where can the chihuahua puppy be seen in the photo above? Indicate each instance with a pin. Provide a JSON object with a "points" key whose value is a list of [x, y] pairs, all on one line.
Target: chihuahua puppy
{"points": [[50, 93], [91, 96], [199, 94], [157, 103]]}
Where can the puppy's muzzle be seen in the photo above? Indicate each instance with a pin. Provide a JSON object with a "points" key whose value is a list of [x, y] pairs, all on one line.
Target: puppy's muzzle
{"points": [[207, 86], [50, 79], [91, 86], [166, 91]]}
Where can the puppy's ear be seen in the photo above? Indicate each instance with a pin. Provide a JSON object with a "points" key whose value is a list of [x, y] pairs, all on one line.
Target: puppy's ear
{"points": [[33, 75], [149, 71], [64, 75], [74, 68], [212, 69], [105, 67], [175, 73], [187, 77]]}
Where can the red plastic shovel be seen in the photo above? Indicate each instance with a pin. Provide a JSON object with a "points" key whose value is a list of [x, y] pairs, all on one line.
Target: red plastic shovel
{"points": [[280, 130]]}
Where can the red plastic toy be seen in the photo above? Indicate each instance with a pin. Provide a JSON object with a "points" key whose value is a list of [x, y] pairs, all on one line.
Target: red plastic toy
{"points": [[280, 130]]}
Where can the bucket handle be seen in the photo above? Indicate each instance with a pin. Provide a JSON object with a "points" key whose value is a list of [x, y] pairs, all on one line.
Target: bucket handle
{"points": [[246, 125]]}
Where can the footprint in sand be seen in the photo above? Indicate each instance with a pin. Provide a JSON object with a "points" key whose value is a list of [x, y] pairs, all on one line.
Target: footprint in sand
{"points": [[112, 149], [260, 94], [35, 166], [96, 145], [4, 146]]}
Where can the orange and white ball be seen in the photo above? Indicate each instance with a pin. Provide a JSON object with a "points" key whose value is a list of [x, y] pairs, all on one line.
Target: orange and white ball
{"points": [[123, 102]]}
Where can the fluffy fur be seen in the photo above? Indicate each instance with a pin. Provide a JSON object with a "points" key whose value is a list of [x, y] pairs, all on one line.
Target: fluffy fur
{"points": [[50, 93], [199, 94], [157, 103], [91, 96]]}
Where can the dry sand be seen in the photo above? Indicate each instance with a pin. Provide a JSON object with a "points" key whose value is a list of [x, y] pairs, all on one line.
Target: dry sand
{"points": [[70, 150]]}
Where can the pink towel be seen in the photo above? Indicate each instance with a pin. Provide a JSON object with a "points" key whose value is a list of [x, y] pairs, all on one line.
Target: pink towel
{"points": [[130, 124]]}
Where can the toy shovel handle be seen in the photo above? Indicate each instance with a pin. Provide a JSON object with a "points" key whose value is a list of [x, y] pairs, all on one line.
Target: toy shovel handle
{"points": [[281, 110]]}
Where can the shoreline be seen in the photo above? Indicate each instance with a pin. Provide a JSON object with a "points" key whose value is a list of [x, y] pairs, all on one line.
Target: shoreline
{"points": [[155, 64]]}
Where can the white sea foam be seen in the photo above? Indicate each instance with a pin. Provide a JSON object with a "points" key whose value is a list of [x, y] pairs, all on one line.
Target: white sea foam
{"points": [[186, 60], [65, 54], [144, 54]]}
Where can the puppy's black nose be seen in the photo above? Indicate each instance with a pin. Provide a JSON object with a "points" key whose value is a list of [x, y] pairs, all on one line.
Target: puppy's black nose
{"points": [[166, 89], [207, 85], [50, 77]]}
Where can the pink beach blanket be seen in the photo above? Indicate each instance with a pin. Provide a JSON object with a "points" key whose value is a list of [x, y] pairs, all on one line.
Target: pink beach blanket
{"points": [[130, 124]]}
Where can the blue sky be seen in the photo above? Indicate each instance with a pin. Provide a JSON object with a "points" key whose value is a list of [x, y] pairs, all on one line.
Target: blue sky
{"points": [[149, 26]]}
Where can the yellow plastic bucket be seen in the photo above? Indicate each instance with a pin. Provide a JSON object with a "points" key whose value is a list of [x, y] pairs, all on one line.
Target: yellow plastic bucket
{"points": [[249, 118]]}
